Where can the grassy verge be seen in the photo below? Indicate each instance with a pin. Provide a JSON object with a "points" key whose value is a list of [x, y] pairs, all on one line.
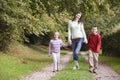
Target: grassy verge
{"points": [[113, 62], [23, 60], [69, 74]]}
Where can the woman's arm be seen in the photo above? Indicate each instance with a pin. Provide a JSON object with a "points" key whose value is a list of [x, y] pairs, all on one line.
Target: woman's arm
{"points": [[69, 32], [84, 34]]}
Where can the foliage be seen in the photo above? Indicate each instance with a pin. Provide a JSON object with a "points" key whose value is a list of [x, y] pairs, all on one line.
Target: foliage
{"points": [[111, 45], [22, 18]]}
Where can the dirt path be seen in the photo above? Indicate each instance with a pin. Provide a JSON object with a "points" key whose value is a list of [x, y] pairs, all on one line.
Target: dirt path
{"points": [[46, 73], [104, 72]]}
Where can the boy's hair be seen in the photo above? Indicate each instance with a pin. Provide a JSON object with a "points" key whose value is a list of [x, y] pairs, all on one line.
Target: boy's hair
{"points": [[94, 27]]}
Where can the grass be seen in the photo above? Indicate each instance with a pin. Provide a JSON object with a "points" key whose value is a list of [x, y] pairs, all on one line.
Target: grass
{"points": [[69, 74], [23, 60], [113, 62]]}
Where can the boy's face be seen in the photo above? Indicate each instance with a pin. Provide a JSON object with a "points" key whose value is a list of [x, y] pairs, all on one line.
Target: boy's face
{"points": [[94, 30]]}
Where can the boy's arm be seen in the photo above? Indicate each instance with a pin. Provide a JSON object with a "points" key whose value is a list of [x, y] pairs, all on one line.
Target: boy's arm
{"points": [[98, 43]]}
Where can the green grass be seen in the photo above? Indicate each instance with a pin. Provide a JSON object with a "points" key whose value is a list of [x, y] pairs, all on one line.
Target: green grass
{"points": [[113, 62], [23, 60], [69, 74]]}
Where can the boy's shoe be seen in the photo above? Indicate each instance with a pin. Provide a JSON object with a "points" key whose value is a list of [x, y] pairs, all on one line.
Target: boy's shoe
{"points": [[91, 70], [94, 70]]}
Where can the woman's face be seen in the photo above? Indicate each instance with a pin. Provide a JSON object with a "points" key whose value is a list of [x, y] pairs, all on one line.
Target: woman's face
{"points": [[78, 16]]}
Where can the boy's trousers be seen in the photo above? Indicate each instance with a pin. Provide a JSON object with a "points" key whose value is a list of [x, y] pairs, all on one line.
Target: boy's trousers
{"points": [[93, 59], [56, 60]]}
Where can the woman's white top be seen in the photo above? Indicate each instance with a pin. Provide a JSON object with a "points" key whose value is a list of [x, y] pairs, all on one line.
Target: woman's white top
{"points": [[76, 30]]}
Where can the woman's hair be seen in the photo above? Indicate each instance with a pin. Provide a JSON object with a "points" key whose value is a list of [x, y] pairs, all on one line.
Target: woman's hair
{"points": [[80, 19]]}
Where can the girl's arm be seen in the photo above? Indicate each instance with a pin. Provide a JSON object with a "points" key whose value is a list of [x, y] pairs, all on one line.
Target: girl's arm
{"points": [[63, 44], [49, 49]]}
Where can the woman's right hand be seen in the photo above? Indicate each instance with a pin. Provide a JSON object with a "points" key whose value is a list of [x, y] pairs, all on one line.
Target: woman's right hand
{"points": [[70, 43]]}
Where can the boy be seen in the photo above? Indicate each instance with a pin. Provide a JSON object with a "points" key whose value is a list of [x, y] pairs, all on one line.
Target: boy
{"points": [[94, 43]]}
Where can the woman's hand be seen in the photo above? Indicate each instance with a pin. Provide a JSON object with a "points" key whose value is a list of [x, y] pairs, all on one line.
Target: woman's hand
{"points": [[86, 42], [69, 43]]}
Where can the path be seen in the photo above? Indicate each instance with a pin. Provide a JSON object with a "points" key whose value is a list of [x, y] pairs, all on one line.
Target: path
{"points": [[46, 73], [104, 72]]}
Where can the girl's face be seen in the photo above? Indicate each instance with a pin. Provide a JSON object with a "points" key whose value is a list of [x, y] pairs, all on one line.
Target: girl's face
{"points": [[94, 30], [56, 35]]}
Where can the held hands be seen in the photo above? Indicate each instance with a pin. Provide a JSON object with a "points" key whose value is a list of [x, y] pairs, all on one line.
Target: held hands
{"points": [[69, 43], [86, 42]]}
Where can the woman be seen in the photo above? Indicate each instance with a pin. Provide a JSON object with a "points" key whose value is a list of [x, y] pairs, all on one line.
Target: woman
{"points": [[76, 37]]}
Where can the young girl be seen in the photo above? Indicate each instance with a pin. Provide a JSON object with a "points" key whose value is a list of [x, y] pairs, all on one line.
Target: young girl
{"points": [[54, 47], [94, 42]]}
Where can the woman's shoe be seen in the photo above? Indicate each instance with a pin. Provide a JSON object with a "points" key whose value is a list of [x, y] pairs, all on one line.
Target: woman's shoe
{"points": [[78, 67], [74, 68]]}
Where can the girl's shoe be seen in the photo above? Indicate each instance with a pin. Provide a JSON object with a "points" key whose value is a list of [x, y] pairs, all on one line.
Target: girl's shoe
{"points": [[53, 71], [57, 70]]}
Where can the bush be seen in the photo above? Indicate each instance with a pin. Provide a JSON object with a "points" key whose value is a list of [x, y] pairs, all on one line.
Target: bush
{"points": [[111, 44]]}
